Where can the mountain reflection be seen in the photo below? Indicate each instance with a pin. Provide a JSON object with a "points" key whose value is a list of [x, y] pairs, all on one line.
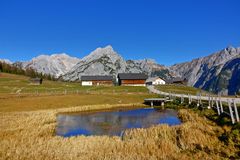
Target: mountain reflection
{"points": [[112, 123]]}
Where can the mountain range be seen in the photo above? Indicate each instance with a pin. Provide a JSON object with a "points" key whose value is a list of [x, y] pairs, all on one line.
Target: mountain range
{"points": [[105, 61], [55, 65], [218, 72]]}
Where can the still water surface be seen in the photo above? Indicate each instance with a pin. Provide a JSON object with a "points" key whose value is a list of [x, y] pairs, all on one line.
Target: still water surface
{"points": [[112, 122]]}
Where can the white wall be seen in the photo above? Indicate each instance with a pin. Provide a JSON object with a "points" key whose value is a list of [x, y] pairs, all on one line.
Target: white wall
{"points": [[86, 83], [158, 82]]}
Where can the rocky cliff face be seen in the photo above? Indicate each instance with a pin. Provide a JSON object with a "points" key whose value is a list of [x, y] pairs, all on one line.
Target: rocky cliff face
{"points": [[149, 67], [227, 82], [56, 64], [214, 73], [105, 61], [102, 61]]}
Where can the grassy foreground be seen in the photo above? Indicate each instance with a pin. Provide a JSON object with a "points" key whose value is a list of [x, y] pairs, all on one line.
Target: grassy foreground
{"points": [[28, 121], [31, 135]]}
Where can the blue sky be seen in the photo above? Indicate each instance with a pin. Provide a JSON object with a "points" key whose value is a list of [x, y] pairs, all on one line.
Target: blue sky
{"points": [[169, 31]]}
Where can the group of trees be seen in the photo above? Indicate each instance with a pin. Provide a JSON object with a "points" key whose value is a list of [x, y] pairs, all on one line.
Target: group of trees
{"points": [[8, 68]]}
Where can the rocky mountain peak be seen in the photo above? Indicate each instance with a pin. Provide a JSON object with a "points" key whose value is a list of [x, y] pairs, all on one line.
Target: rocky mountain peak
{"points": [[230, 48], [55, 64], [102, 52], [106, 61], [101, 61]]}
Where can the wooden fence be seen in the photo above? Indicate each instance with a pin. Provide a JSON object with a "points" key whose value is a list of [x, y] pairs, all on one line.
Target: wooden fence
{"points": [[214, 102]]}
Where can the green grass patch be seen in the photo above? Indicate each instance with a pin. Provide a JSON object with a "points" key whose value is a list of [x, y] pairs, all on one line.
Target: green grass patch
{"points": [[10, 83], [181, 89]]}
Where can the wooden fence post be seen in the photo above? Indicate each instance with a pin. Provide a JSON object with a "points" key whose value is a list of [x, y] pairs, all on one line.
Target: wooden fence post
{"points": [[209, 102], [231, 112], [235, 110], [198, 100], [200, 97], [122, 135], [162, 103], [218, 110], [212, 102], [174, 96], [189, 99], [221, 106], [182, 99]]}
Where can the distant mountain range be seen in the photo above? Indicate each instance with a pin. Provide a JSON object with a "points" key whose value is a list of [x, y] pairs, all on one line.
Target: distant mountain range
{"points": [[105, 61], [56, 64], [218, 72]]}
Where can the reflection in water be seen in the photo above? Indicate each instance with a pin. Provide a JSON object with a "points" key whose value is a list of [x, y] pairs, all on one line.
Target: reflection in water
{"points": [[112, 123]]}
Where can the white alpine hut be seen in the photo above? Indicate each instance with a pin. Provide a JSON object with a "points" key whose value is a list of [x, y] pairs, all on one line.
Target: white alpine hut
{"points": [[155, 81]]}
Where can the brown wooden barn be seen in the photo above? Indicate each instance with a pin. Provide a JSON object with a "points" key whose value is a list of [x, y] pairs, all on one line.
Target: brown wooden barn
{"points": [[97, 80], [132, 79], [180, 81]]}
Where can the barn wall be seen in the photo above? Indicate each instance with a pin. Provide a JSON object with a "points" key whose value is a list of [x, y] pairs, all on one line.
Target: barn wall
{"points": [[96, 83], [137, 82], [107, 83]]}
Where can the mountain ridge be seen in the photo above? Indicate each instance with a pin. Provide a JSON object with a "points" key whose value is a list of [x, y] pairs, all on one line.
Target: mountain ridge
{"points": [[200, 71], [55, 64], [106, 61], [213, 72]]}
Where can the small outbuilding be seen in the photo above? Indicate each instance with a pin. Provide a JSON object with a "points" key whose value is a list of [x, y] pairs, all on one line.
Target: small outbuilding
{"points": [[132, 79], [97, 80], [36, 81], [155, 81], [180, 81]]}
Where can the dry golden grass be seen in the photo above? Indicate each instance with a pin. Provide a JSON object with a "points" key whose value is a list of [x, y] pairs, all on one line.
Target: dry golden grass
{"points": [[51, 94], [30, 103], [30, 135]]}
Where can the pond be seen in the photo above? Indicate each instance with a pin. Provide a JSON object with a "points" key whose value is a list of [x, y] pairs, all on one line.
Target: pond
{"points": [[112, 122]]}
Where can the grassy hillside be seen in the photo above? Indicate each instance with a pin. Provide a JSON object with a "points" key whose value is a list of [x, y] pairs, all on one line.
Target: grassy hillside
{"points": [[17, 94], [180, 89], [11, 83]]}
